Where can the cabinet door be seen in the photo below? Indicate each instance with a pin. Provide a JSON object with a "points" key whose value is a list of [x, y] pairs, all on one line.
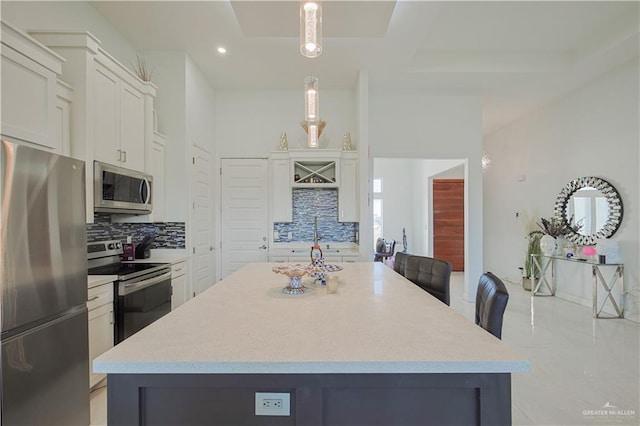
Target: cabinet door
{"points": [[100, 336], [28, 100], [63, 120], [156, 169], [348, 191], [106, 116], [281, 209], [179, 285], [131, 127]]}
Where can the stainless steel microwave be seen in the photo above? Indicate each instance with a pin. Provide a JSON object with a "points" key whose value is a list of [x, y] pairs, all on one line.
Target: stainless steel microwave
{"points": [[120, 190]]}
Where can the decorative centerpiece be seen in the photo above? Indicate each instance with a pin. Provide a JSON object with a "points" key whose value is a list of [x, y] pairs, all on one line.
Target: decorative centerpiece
{"points": [[295, 273], [551, 230]]}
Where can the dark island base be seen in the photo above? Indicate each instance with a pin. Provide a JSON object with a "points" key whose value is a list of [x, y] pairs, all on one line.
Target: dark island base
{"points": [[316, 399]]}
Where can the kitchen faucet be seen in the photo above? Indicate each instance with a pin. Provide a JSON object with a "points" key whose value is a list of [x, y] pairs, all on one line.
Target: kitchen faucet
{"points": [[316, 237]]}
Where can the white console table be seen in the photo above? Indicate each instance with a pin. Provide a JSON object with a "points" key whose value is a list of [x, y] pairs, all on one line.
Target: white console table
{"points": [[543, 281]]}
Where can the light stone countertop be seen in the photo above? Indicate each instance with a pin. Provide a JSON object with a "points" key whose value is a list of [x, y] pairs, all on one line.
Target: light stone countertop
{"points": [[96, 280], [378, 322]]}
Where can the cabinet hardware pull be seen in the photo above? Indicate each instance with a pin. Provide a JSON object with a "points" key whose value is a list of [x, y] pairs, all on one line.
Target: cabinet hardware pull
{"points": [[125, 156], [93, 298], [119, 155]]}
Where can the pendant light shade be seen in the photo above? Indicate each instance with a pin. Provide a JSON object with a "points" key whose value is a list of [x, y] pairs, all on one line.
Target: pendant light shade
{"points": [[311, 99], [310, 28]]}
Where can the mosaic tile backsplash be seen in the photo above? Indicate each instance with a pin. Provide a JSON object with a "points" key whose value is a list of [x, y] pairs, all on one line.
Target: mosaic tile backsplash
{"points": [[320, 202], [168, 235]]}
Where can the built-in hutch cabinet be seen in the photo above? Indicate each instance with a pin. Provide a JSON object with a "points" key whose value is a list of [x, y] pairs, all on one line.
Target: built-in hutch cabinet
{"points": [[348, 192], [112, 109], [30, 74], [314, 169], [280, 200]]}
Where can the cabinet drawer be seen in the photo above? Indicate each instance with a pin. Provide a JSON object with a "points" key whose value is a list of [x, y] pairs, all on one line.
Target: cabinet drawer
{"points": [[100, 295], [178, 269]]}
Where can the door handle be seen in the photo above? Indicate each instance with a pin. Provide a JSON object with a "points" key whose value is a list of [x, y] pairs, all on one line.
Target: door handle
{"points": [[263, 247]]}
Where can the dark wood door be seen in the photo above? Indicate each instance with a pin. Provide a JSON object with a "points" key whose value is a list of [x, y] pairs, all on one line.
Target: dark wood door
{"points": [[448, 221]]}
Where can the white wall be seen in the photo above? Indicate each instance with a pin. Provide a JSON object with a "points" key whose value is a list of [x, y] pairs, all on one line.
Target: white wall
{"points": [[249, 122], [593, 131], [200, 108], [419, 124], [169, 74]]}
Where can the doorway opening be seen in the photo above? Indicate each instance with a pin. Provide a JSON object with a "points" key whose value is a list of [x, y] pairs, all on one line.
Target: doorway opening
{"points": [[405, 201]]}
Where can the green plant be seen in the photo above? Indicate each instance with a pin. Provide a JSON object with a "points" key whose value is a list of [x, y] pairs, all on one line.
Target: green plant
{"points": [[557, 227], [533, 247]]}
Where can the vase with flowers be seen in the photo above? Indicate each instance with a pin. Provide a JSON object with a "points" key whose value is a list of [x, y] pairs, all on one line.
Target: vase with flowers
{"points": [[553, 229]]}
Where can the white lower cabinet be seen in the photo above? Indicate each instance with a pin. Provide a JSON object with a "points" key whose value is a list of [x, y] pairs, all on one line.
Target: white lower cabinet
{"points": [[307, 258], [101, 320], [179, 280]]}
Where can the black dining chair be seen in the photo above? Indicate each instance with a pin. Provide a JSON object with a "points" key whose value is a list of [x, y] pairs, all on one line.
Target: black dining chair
{"points": [[400, 262], [384, 250], [432, 275], [491, 301]]}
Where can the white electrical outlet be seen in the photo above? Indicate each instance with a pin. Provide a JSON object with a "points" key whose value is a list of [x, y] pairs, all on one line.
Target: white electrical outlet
{"points": [[276, 235], [273, 404]]}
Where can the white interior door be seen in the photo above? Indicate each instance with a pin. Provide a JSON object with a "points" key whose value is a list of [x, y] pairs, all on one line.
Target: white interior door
{"points": [[245, 213], [203, 269]]}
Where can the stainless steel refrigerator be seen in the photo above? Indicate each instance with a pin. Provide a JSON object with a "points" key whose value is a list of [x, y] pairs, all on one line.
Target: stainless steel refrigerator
{"points": [[43, 283]]}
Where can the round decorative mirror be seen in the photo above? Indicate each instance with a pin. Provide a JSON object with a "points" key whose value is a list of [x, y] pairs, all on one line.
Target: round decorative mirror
{"points": [[592, 203]]}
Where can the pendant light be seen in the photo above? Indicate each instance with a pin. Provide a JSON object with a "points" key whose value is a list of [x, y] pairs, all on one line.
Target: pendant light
{"points": [[310, 28], [312, 135], [311, 99], [311, 110]]}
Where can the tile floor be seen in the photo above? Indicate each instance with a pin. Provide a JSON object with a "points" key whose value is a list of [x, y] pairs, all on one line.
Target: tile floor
{"points": [[583, 371]]}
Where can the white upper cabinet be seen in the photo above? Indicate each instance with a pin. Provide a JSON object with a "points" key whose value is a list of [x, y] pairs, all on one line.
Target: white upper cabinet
{"points": [[348, 192], [64, 100], [106, 146], [112, 109], [119, 121], [280, 200], [155, 167], [29, 90]]}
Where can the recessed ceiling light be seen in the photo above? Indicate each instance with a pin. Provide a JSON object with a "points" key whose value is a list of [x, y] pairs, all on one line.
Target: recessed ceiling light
{"points": [[222, 50]]}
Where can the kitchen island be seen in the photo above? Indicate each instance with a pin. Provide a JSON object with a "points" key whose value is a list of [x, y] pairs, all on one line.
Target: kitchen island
{"points": [[380, 351]]}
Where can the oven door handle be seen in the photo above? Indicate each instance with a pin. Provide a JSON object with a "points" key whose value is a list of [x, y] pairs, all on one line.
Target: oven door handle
{"points": [[132, 288]]}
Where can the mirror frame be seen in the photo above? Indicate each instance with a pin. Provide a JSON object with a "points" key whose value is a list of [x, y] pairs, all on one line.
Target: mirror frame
{"points": [[613, 201]]}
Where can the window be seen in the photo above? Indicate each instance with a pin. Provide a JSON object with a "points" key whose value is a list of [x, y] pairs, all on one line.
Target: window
{"points": [[377, 210]]}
